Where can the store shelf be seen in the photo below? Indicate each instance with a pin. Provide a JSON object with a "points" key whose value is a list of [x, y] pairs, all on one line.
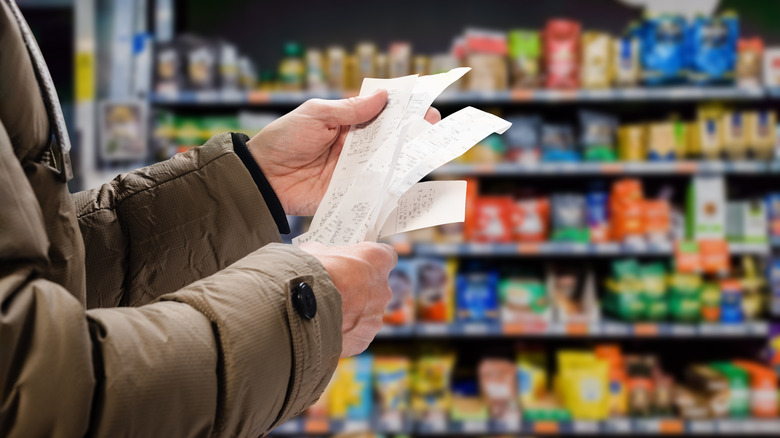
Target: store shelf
{"points": [[588, 169], [725, 427], [603, 329], [564, 249], [470, 97]]}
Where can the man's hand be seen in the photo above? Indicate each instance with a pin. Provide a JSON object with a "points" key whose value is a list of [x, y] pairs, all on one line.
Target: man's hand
{"points": [[298, 152], [360, 273]]}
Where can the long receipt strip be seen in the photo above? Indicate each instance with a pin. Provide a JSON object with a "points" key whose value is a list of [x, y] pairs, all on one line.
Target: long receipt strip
{"points": [[375, 190]]}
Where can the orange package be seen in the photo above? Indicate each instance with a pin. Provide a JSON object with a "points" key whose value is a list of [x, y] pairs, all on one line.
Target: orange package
{"points": [[626, 209], [656, 217], [715, 258], [763, 389], [472, 195]]}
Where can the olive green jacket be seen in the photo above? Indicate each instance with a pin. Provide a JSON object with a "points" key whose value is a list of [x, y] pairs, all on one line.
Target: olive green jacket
{"points": [[156, 305]]}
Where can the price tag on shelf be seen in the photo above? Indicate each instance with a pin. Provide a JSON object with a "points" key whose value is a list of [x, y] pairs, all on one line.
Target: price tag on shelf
{"points": [[768, 426], [682, 330], [612, 168], [618, 426], [475, 328], [506, 426], [433, 329], [522, 95], [759, 328], [484, 169], [258, 97], [529, 248], [702, 427], [728, 426], [648, 426], [391, 424], [435, 425], [585, 427], [291, 426], [482, 248], [671, 427], [615, 329], [577, 328], [474, 426], [356, 426], [686, 167], [645, 329], [546, 427], [316, 426]]}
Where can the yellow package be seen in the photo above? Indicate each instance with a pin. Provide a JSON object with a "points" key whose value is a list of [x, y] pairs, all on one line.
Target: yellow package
{"points": [[392, 380], [596, 62], [531, 377], [631, 143], [336, 68], [366, 61], [625, 62], [708, 134], [735, 138], [350, 388], [351, 73], [584, 385], [661, 141], [681, 139], [431, 395], [760, 127]]}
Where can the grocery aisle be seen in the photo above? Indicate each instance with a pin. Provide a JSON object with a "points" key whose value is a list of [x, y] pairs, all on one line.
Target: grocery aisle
{"points": [[616, 271]]}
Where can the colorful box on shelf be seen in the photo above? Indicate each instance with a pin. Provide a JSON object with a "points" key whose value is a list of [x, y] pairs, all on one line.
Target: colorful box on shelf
{"points": [[601, 329], [615, 426], [625, 168]]}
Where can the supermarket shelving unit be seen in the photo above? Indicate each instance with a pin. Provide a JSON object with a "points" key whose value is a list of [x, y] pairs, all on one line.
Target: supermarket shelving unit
{"points": [[192, 101]]}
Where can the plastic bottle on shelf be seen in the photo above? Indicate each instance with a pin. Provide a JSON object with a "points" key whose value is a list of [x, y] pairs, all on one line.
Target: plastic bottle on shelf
{"points": [[292, 69]]}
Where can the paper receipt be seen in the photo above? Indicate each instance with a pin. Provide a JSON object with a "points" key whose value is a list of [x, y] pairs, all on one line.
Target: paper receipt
{"points": [[375, 191]]}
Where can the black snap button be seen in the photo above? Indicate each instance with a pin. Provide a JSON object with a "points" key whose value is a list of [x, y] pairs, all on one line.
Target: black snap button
{"points": [[304, 300]]}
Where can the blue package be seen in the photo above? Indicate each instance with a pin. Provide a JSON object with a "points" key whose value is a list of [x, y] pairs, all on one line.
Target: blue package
{"points": [[477, 296], [663, 50], [731, 306], [363, 378], [773, 213], [711, 46], [558, 144], [596, 207]]}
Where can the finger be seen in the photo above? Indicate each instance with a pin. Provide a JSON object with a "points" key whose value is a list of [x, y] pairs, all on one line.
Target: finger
{"points": [[355, 109], [432, 116]]}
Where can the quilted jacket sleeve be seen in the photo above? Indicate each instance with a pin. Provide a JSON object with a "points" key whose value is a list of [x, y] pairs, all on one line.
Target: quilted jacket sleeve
{"points": [[224, 355], [159, 228]]}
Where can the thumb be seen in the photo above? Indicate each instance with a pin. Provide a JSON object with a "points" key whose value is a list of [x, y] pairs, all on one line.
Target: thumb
{"points": [[357, 109]]}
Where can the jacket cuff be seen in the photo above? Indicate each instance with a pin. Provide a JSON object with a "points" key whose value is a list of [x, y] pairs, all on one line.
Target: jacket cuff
{"points": [[271, 200], [274, 363]]}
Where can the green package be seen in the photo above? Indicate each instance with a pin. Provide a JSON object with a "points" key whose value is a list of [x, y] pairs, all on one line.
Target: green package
{"points": [[739, 388], [525, 50], [656, 310], [654, 281], [188, 132]]}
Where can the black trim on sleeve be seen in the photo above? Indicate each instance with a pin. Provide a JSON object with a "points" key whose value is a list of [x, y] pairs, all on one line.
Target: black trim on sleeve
{"points": [[271, 200]]}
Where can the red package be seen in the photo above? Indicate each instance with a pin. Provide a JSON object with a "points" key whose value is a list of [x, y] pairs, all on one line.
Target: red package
{"points": [[561, 54], [531, 220], [493, 220]]}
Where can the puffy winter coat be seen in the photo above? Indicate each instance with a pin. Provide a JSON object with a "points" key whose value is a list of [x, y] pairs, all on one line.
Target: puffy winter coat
{"points": [[160, 304]]}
